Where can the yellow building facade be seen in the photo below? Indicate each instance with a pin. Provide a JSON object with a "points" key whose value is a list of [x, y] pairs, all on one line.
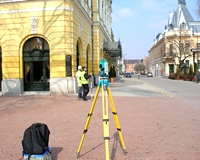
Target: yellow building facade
{"points": [[43, 42]]}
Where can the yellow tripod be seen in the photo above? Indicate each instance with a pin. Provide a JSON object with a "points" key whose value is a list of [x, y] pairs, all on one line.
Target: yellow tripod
{"points": [[105, 88]]}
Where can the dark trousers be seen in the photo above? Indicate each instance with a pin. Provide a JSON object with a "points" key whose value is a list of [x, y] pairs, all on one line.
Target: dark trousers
{"points": [[80, 91], [85, 90]]}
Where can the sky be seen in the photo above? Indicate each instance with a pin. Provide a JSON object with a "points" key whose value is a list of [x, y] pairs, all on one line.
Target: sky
{"points": [[136, 23]]}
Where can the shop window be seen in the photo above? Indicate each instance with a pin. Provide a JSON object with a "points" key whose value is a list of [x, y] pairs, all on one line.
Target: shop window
{"points": [[37, 42], [187, 63], [171, 49], [181, 47], [27, 71], [187, 47], [68, 66]]}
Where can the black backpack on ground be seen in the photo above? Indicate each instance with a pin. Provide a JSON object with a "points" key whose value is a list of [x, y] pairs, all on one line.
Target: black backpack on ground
{"points": [[35, 139]]}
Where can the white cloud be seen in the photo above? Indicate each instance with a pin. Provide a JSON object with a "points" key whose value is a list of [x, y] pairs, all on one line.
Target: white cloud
{"points": [[126, 12]]}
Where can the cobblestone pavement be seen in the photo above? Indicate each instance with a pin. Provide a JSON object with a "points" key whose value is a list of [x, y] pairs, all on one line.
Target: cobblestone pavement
{"points": [[159, 128]]}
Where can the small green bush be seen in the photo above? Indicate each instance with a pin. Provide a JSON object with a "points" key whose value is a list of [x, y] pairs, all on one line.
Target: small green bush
{"points": [[112, 72], [185, 71], [191, 70], [195, 67], [178, 71]]}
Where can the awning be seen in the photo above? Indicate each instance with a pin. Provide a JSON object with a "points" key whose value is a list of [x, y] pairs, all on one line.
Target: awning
{"points": [[113, 49]]}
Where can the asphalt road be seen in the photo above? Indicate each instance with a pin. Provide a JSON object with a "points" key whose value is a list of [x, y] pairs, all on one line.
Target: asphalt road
{"points": [[186, 91], [131, 87], [156, 87]]}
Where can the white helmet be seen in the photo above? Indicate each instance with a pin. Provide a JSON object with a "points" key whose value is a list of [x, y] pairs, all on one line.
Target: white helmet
{"points": [[79, 67]]}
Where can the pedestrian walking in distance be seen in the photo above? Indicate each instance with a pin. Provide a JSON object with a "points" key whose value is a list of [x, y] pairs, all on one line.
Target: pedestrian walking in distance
{"points": [[84, 82], [78, 77]]}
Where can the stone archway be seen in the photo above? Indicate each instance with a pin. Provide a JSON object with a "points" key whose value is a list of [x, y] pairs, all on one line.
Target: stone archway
{"points": [[77, 55], [36, 64], [78, 52]]}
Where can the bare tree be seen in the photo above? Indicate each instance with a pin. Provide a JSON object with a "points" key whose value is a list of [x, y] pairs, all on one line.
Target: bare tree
{"points": [[180, 46], [139, 67], [146, 62]]}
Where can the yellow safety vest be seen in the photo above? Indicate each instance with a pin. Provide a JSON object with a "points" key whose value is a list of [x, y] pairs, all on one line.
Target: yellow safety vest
{"points": [[78, 77], [83, 80]]}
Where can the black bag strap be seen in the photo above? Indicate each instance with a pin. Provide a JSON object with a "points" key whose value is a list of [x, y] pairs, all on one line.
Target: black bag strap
{"points": [[36, 127]]}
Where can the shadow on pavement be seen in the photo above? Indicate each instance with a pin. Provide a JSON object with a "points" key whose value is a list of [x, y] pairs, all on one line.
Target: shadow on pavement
{"points": [[55, 151]]}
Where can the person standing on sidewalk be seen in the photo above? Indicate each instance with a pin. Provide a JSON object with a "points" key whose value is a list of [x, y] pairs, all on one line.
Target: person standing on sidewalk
{"points": [[138, 75], [78, 77], [84, 82]]}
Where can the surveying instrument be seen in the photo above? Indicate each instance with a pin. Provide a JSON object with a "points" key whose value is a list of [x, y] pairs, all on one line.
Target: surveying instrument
{"points": [[103, 83]]}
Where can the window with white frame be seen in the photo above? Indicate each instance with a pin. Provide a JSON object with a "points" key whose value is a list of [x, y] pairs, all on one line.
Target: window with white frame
{"points": [[187, 62], [187, 47], [171, 49], [181, 47]]}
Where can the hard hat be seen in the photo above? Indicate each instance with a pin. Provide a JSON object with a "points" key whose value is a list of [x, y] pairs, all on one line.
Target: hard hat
{"points": [[79, 67]]}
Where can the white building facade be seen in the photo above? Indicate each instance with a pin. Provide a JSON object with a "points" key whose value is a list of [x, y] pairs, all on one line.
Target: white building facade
{"points": [[178, 45]]}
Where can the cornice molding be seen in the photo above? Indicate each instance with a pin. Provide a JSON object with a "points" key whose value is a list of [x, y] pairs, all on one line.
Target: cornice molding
{"points": [[36, 10]]}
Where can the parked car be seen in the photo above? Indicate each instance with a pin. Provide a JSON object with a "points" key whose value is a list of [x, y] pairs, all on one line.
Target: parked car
{"points": [[128, 75], [149, 74]]}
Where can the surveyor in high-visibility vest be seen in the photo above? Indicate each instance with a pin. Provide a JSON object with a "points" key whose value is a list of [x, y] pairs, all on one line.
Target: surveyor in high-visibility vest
{"points": [[78, 78], [84, 82]]}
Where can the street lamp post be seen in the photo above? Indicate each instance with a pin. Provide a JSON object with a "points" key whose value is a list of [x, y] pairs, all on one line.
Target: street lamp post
{"points": [[125, 63], [194, 28]]}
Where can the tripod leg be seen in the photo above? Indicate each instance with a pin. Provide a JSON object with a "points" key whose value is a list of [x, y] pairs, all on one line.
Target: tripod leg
{"points": [[88, 121], [114, 112], [105, 123]]}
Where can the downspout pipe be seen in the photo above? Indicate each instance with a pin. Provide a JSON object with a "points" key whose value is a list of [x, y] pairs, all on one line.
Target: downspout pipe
{"points": [[92, 33]]}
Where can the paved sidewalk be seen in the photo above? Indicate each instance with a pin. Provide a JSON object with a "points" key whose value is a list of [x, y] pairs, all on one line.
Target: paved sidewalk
{"points": [[152, 128]]}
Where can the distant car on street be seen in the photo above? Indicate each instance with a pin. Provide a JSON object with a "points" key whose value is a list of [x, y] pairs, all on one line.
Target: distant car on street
{"points": [[149, 74], [128, 75]]}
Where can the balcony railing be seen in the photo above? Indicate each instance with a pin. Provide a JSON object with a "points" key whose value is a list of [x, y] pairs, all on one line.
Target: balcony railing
{"points": [[169, 55], [195, 49]]}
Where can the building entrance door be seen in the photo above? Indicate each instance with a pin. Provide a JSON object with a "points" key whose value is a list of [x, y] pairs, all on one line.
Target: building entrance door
{"points": [[171, 68], [36, 65]]}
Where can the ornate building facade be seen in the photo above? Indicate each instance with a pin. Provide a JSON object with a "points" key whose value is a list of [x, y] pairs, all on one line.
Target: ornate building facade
{"points": [[178, 45], [42, 43]]}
